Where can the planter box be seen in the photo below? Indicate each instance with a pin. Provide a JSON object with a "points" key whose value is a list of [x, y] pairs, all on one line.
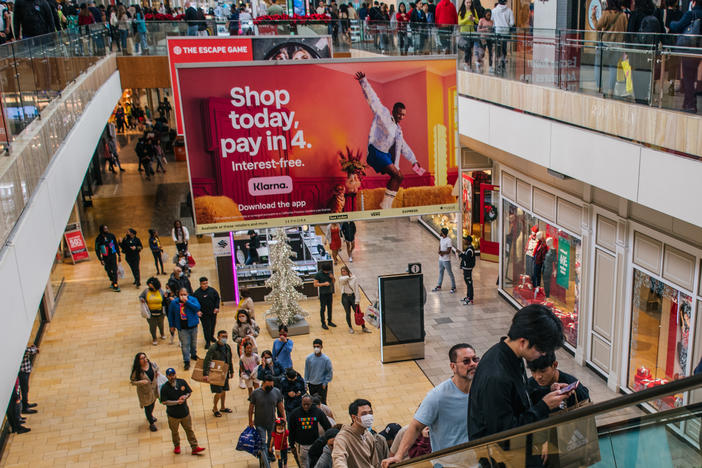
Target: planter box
{"points": [[301, 327]]}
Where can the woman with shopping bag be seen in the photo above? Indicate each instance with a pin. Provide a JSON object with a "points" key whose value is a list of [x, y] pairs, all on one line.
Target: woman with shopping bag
{"points": [[153, 301], [145, 377]]}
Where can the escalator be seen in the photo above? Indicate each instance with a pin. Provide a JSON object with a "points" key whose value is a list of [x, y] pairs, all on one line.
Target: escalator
{"points": [[628, 431]]}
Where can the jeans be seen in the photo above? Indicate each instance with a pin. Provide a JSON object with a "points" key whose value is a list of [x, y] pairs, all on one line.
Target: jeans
{"points": [[158, 260], [24, 389], [149, 412], [325, 301], [188, 343], [192, 30], [123, 33], [319, 389], [266, 438], [303, 450], [548, 274], [141, 39], [283, 459], [155, 321], [187, 423], [446, 265], [468, 278], [348, 301]]}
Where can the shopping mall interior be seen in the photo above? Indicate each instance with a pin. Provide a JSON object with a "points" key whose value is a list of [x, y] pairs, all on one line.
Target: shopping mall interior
{"points": [[574, 196]]}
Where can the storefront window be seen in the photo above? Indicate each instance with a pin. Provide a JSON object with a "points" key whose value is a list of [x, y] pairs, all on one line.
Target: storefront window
{"points": [[660, 331], [541, 265]]}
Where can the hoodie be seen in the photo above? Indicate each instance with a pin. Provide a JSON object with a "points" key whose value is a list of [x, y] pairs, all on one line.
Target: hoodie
{"points": [[503, 18]]}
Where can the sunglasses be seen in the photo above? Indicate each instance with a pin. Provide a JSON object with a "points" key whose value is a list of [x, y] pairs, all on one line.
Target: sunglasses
{"points": [[466, 362]]}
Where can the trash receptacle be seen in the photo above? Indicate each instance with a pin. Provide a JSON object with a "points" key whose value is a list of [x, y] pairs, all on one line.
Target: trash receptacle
{"points": [[179, 149]]}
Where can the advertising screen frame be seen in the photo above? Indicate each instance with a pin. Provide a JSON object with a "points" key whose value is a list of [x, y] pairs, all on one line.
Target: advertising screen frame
{"points": [[312, 218]]}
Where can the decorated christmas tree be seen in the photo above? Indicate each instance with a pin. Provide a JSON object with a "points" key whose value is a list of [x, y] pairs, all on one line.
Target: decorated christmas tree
{"points": [[283, 281]]}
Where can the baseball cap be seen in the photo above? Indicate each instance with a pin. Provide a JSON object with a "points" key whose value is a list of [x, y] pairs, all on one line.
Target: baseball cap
{"points": [[170, 371], [390, 431]]}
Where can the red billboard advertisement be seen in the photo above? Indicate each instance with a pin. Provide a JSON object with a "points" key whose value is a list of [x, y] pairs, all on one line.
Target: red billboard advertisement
{"points": [[235, 49], [287, 143]]}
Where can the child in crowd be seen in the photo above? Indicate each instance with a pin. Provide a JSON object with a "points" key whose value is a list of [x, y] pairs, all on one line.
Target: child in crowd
{"points": [[248, 363], [279, 443]]}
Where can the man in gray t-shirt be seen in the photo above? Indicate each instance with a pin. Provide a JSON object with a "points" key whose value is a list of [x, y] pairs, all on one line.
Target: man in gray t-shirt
{"points": [[263, 403]]}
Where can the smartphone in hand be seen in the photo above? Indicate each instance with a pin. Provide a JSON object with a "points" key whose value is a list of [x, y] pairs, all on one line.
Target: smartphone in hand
{"points": [[569, 388]]}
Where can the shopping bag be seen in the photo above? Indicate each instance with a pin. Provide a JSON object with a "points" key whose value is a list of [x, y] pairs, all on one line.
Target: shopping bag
{"points": [[145, 312], [626, 67], [620, 72], [191, 260], [250, 441], [164, 257], [358, 316], [130, 46], [217, 375], [372, 316], [577, 441], [120, 271], [160, 380]]}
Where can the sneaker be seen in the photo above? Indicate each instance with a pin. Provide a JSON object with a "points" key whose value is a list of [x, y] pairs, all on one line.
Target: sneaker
{"points": [[194, 358], [331, 324], [32, 405], [186, 366], [241, 383], [197, 450], [152, 427], [154, 342], [350, 259], [172, 338], [22, 430], [468, 303], [324, 326], [163, 337], [438, 288], [351, 331], [176, 450], [365, 330], [453, 290]]}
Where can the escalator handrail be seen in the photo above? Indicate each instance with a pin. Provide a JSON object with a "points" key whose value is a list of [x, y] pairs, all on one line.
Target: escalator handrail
{"points": [[624, 401], [684, 412]]}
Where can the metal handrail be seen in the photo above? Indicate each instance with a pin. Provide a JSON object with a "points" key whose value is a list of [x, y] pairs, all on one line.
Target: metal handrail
{"points": [[632, 399]]}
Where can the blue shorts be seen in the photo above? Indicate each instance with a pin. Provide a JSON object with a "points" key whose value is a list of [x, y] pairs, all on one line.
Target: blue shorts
{"points": [[378, 160]]}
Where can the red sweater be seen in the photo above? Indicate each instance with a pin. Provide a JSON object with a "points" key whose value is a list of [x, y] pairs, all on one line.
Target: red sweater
{"points": [[445, 13]]}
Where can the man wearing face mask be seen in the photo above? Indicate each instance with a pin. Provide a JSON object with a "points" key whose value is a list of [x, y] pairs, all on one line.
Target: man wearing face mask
{"points": [[318, 371], [219, 351], [303, 423], [184, 315], [355, 446], [443, 409], [263, 403]]}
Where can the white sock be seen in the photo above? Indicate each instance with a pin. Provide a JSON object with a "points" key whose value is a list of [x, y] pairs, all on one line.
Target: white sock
{"points": [[387, 199]]}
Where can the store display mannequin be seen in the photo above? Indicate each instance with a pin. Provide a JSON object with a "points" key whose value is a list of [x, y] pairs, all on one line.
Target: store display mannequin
{"points": [[539, 256], [549, 262], [530, 246]]}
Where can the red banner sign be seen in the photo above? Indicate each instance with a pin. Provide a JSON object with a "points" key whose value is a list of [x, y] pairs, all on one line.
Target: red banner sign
{"points": [[76, 245]]}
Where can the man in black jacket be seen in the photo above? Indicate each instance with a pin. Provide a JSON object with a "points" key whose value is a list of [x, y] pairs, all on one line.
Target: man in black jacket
{"points": [[209, 305], [191, 17], [293, 387], [545, 373], [131, 246], [303, 424], [499, 399], [107, 251], [32, 18]]}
